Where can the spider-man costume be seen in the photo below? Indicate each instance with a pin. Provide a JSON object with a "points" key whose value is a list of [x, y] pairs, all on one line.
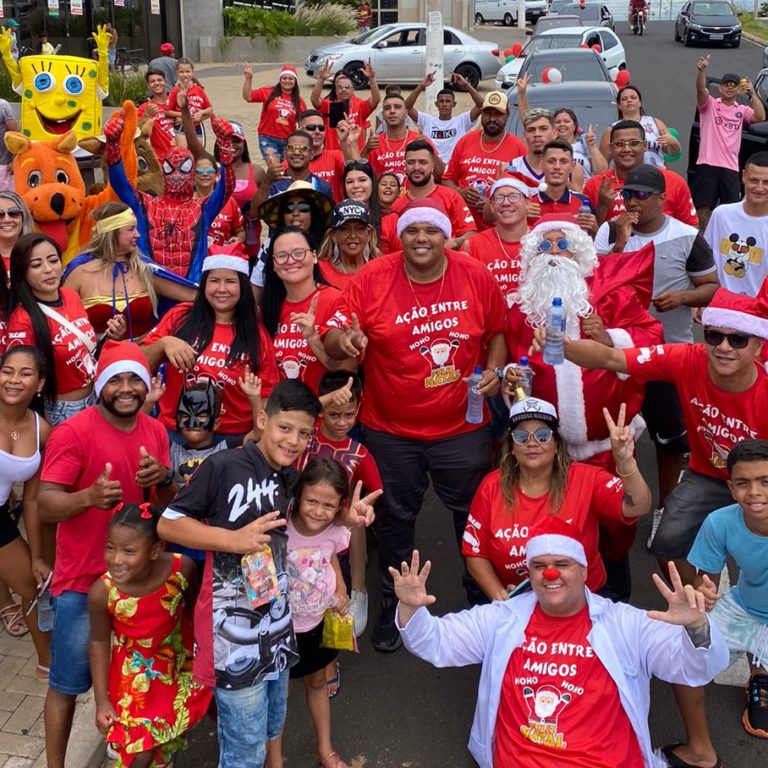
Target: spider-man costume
{"points": [[173, 228]]}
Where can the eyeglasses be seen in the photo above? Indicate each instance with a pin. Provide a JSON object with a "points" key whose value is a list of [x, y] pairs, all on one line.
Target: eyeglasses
{"points": [[297, 254], [299, 148], [11, 213], [735, 340], [205, 171], [631, 143], [628, 194], [312, 128], [542, 435], [562, 243], [300, 207], [513, 197], [345, 87]]}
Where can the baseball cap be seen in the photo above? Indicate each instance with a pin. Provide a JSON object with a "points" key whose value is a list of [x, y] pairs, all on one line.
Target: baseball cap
{"points": [[350, 210], [533, 408], [237, 130], [730, 77], [13, 23], [495, 100], [167, 48], [646, 178]]}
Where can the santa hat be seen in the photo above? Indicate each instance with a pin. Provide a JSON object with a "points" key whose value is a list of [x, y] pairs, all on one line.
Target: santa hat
{"points": [[230, 256], [519, 181], [552, 221], [424, 211], [555, 537], [289, 70], [120, 357], [741, 313]]}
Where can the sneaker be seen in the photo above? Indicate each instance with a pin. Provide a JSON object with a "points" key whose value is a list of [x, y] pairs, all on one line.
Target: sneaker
{"points": [[657, 513], [755, 717], [358, 608], [386, 637]]}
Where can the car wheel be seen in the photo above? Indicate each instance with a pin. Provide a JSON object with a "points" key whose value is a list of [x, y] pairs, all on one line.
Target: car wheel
{"points": [[355, 73], [622, 66], [479, 19], [470, 73], [508, 20], [677, 37], [687, 40]]}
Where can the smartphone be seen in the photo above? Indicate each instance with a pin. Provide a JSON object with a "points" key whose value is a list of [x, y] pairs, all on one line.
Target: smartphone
{"points": [[336, 112]]}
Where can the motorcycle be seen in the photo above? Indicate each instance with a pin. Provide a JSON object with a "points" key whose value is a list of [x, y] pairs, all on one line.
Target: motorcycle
{"points": [[639, 19]]}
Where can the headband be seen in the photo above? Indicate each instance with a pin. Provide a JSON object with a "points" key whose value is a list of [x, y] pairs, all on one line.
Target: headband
{"points": [[125, 218]]}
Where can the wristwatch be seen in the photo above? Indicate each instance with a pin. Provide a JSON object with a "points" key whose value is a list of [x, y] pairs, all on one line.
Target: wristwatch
{"points": [[168, 479]]}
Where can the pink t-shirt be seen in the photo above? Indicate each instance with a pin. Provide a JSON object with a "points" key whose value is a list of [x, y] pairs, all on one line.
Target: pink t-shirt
{"points": [[720, 127]]}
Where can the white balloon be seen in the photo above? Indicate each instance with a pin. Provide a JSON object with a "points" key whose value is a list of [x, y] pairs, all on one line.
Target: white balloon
{"points": [[555, 75]]}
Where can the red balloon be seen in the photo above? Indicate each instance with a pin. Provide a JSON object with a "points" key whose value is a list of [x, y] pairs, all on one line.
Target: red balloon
{"points": [[583, 45], [508, 52], [545, 74], [623, 77], [597, 48], [516, 48]]}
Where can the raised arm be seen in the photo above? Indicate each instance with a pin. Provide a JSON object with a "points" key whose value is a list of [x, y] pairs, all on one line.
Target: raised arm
{"points": [[702, 94], [316, 95], [410, 102], [247, 81]]}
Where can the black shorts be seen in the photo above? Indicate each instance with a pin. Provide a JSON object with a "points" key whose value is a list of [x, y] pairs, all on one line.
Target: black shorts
{"points": [[9, 531], [663, 416], [312, 656], [713, 185]]}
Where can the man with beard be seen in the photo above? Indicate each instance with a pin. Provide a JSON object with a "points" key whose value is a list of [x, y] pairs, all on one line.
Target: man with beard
{"points": [[478, 155], [107, 454], [425, 317], [606, 305], [538, 130], [420, 172], [627, 152]]}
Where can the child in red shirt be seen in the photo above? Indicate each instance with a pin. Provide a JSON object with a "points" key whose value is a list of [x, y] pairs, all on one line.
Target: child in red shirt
{"points": [[199, 106]]}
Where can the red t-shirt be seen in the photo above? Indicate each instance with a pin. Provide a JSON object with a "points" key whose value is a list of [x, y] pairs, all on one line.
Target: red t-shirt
{"points": [[493, 532], [389, 156], [570, 203], [75, 366], [715, 420], [353, 456], [501, 259], [358, 113], [163, 135], [278, 119], [423, 339], [678, 202], [236, 415], [335, 278], [389, 241], [329, 166], [475, 160], [75, 455], [226, 224], [293, 355], [558, 705], [462, 220], [196, 100]]}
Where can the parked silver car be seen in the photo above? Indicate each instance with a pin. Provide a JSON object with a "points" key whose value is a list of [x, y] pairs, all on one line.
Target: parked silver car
{"points": [[398, 55]]}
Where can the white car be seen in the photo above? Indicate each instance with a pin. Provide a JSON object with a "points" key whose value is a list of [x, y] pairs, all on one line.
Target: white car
{"points": [[505, 11], [566, 37], [398, 55]]}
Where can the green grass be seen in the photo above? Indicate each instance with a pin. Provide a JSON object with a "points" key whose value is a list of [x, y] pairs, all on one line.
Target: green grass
{"points": [[751, 26]]}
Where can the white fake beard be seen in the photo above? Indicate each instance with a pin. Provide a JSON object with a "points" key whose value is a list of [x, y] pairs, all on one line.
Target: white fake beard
{"points": [[545, 277]]}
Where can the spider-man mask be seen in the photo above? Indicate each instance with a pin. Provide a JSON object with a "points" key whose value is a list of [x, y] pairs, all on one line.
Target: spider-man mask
{"points": [[178, 168]]}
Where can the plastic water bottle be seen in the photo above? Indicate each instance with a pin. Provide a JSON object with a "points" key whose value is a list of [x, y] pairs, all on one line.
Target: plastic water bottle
{"points": [[525, 374], [474, 398], [45, 611], [554, 351]]}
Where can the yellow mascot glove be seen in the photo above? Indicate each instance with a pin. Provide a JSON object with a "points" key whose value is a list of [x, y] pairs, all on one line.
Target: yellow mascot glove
{"points": [[101, 37], [6, 41]]}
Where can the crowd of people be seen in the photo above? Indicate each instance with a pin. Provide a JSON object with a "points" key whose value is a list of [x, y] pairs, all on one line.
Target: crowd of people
{"points": [[202, 415]]}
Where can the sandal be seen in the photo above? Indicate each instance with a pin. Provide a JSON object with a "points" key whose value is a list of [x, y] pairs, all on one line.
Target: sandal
{"points": [[331, 760], [334, 683], [13, 620], [42, 673], [673, 761]]}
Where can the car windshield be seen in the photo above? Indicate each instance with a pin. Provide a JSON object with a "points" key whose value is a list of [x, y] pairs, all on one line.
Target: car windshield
{"points": [[583, 11], [549, 42], [557, 5], [712, 9], [376, 33], [583, 68]]}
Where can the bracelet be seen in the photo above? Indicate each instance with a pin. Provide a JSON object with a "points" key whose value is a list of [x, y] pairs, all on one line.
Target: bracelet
{"points": [[629, 474], [168, 479]]}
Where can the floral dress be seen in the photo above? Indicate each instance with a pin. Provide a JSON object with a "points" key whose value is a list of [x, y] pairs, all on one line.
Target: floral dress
{"points": [[150, 676]]}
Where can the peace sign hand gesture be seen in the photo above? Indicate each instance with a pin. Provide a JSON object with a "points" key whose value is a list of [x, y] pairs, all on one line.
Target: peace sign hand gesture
{"points": [[685, 604], [361, 509], [353, 341], [622, 438], [306, 320]]}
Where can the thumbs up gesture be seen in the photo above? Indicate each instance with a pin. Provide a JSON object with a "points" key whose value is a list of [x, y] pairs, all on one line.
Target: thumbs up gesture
{"points": [[105, 493], [151, 471]]}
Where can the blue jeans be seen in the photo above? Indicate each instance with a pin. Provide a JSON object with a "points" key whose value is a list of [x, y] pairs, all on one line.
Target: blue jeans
{"points": [[60, 410], [248, 718], [70, 671], [273, 143]]}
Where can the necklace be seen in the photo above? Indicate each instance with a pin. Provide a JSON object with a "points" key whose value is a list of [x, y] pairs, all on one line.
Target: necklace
{"points": [[15, 434], [399, 149], [501, 242], [440, 292], [485, 149]]}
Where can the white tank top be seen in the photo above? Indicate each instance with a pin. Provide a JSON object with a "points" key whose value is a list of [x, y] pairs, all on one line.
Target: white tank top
{"points": [[581, 156], [18, 469]]}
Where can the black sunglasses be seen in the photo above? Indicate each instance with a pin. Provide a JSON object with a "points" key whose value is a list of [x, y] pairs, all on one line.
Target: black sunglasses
{"points": [[312, 128], [735, 340], [300, 207], [628, 194], [11, 213]]}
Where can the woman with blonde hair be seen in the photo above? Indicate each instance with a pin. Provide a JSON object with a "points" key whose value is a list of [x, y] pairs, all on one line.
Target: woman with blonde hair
{"points": [[15, 221], [113, 278]]}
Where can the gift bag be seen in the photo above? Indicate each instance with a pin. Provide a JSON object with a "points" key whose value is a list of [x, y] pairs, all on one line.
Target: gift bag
{"points": [[260, 577], [338, 632]]}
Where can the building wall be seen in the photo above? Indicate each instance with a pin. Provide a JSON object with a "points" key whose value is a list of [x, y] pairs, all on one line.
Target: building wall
{"points": [[202, 27]]}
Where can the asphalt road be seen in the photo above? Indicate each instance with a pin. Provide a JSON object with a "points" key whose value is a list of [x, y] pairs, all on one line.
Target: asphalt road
{"points": [[394, 711]]}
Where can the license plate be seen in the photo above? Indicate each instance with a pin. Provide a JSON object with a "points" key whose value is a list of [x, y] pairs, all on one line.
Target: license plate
{"points": [[716, 37]]}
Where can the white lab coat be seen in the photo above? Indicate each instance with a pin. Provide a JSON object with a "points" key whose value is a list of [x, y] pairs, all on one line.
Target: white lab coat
{"points": [[632, 647]]}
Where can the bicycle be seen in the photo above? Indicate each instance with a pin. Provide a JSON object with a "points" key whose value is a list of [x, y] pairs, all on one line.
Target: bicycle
{"points": [[129, 60]]}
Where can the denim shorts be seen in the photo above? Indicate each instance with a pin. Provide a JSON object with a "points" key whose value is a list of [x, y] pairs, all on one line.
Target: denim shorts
{"points": [[61, 410], [247, 719], [743, 632], [70, 671], [273, 143]]}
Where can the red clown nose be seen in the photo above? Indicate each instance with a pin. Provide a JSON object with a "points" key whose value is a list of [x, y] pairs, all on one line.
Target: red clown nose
{"points": [[551, 574]]}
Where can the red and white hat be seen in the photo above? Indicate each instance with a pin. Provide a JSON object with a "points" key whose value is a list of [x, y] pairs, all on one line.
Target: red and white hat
{"points": [[519, 181], [551, 221], [120, 357], [230, 256], [555, 537], [288, 69], [741, 313], [424, 211]]}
